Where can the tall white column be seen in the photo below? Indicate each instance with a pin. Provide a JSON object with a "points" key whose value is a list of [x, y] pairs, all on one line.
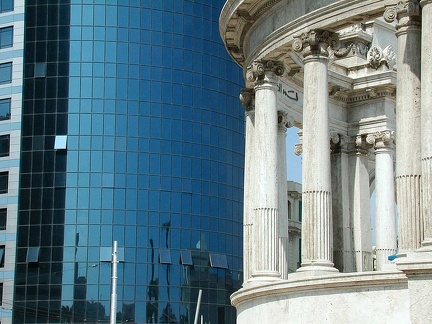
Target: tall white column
{"points": [[265, 182], [360, 205], [385, 215], [317, 240], [426, 120], [283, 123], [408, 153], [247, 99]]}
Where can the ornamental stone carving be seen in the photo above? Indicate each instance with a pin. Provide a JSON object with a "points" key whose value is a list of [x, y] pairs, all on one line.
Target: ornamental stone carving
{"points": [[361, 145], [407, 13], [381, 139], [247, 98], [377, 57], [298, 148], [284, 121], [316, 42], [258, 69]]}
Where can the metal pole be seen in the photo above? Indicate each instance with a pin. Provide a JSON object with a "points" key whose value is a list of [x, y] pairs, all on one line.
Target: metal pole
{"points": [[113, 310], [198, 307]]}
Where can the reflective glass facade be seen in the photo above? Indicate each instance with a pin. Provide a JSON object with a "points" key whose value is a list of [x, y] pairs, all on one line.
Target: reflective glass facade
{"points": [[132, 131]]}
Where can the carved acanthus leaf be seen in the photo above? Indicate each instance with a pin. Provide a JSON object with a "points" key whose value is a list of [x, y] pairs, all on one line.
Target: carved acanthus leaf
{"points": [[257, 70], [377, 57]]}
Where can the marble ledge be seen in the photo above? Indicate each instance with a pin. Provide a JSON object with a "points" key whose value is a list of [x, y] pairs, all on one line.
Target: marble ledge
{"points": [[340, 281]]}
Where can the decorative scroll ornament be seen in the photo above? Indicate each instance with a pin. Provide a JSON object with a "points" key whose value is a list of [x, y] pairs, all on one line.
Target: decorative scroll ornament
{"points": [[381, 139], [377, 57], [361, 145], [284, 121], [247, 98], [316, 42], [407, 12], [257, 70]]}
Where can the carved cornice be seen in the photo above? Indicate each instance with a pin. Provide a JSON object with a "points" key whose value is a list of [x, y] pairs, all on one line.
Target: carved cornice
{"points": [[295, 195], [247, 98], [407, 12], [377, 57], [315, 42], [380, 140], [350, 96], [258, 69]]}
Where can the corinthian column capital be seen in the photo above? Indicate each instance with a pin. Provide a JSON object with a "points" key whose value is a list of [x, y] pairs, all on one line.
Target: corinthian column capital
{"points": [[284, 121], [316, 42], [407, 12], [259, 70], [381, 140], [247, 98]]}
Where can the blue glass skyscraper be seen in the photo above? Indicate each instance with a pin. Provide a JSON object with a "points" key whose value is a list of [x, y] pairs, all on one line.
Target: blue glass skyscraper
{"points": [[131, 131]]}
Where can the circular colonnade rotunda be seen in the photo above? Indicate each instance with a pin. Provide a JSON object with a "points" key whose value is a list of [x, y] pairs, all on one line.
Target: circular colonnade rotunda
{"points": [[354, 76]]}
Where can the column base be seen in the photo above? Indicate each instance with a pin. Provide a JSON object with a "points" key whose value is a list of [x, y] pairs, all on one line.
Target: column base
{"points": [[265, 276], [415, 262], [426, 245], [314, 269]]}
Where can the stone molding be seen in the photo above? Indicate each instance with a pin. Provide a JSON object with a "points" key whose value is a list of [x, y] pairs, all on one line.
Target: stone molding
{"points": [[350, 96], [258, 70], [406, 12], [377, 57], [316, 42], [247, 98], [381, 140], [310, 284], [425, 2]]}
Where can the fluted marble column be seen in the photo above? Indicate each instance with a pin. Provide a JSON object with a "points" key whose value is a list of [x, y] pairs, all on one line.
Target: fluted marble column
{"points": [[426, 118], [385, 214], [283, 123], [265, 182], [408, 153], [247, 99], [360, 205], [317, 240], [343, 254]]}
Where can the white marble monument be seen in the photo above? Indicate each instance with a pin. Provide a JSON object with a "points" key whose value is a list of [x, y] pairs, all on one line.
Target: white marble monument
{"points": [[356, 78]]}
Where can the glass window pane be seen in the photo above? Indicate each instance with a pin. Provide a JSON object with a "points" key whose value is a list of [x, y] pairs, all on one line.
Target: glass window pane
{"points": [[40, 70], [4, 176], [5, 107], [4, 145], [6, 73], [3, 216], [6, 37], [33, 254], [60, 142], [186, 257], [6, 5], [165, 256]]}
